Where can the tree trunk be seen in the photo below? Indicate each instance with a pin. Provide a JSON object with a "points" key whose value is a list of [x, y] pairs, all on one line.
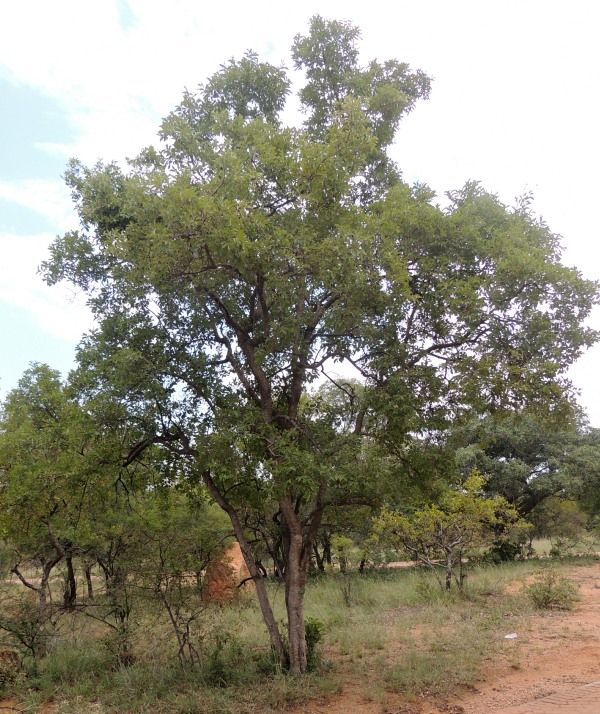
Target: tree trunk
{"points": [[44, 589], [448, 571], [462, 575], [70, 592], [320, 561], [295, 582], [87, 570], [299, 542], [327, 550], [255, 572], [43, 598]]}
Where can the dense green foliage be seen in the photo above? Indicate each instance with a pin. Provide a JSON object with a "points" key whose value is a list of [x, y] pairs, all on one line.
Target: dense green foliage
{"points": [[528, 459], [463, 522], [243, 260], [69, 503]]}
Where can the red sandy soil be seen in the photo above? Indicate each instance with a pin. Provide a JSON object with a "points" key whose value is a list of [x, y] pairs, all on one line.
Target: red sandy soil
{"points": [[553, 652]]}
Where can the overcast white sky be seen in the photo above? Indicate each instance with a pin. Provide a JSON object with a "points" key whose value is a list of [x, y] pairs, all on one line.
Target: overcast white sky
{"points": [[515, 104]]}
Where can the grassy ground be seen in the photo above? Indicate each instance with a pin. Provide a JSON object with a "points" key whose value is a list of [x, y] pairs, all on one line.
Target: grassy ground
{"points": [[544, 547], [395, 626]]}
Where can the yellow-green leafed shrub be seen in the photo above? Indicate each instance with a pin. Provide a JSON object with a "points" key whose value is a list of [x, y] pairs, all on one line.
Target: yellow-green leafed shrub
{"points": [[552, 591]]}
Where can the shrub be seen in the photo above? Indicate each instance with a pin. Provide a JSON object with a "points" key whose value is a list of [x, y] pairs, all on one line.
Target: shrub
{"points": [[553, 592], [313, 631], [11, 670], [24, 629]]}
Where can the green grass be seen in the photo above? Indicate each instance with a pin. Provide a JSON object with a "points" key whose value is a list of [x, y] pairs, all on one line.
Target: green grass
{"points": [[544, 547], [440, 669], [393, 628]]}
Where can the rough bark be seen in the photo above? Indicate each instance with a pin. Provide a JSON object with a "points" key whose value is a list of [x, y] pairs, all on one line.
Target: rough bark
{"points": [[87, 571], [299, 541], [255, 572], [70, 592], [295, 583]]}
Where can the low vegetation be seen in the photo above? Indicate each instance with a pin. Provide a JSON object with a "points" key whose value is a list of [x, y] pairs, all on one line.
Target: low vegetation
{"points": [[397, 625], [552, 591]]}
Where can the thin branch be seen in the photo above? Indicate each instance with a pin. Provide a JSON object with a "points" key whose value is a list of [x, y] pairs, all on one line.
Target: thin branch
{"points": [[27, 584]]}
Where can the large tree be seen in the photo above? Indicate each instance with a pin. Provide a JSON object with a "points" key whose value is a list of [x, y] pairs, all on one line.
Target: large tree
{"points": [[528, 460], [244, 259]]}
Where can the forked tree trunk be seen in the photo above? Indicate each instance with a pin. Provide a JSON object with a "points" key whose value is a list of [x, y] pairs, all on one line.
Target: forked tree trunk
{"points": [[255, 573], [300, 541]]}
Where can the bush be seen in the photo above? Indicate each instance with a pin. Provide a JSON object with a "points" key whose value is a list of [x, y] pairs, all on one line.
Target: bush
{"points": [[313, 631], [23, 627], [507, 551], [428, 590], [553, 592], [11, 670]]}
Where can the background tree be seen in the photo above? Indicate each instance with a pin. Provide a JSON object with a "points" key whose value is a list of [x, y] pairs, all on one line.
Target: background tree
{"points": [[151, 547], [44, 493], [59, 472], [181, 539], [243, 260], [461, 524], [527, 459], [68, 498]]}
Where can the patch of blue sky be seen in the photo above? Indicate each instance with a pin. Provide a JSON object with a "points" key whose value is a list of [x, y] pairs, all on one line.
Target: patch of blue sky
{"points": [[127, 18], [19, 220], [26, 347], [28, 121], [270, 49]]}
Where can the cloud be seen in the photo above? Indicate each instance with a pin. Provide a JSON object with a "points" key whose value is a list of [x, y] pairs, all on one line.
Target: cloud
{"points": [[59, 310], [51, 199], [512, 101], [117, 80]]}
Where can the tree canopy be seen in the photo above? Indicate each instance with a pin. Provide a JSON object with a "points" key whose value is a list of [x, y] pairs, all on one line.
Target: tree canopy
{"points": [[244, 259], [463, 522], [527, 460]]}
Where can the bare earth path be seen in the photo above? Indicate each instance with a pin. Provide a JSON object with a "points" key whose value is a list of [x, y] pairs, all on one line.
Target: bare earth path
{"points": [[583, 700], [553, 654], [552, 666]]}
